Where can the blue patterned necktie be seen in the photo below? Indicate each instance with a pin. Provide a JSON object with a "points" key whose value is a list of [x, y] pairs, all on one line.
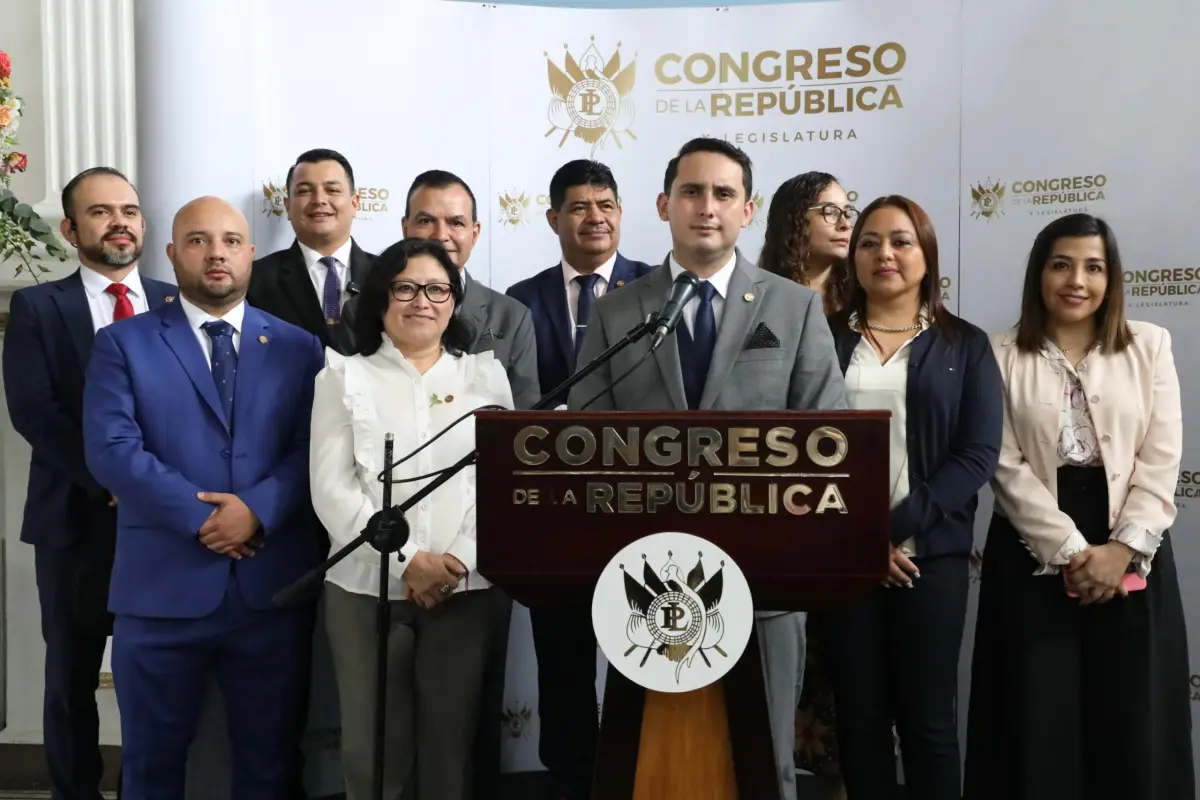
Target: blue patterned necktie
{"points": [[224, 363], [331, 298], [583, 309]]}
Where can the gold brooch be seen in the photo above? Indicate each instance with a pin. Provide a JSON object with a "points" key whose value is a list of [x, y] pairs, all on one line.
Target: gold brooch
{"points": [[434, 400], [262, 339]]}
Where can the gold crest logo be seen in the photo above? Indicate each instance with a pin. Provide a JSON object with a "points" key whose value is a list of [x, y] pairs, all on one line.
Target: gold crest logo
{"points": [[591, 98], [987, 200], [516, 721], [760, 210], [273, 197], [513, 208]]}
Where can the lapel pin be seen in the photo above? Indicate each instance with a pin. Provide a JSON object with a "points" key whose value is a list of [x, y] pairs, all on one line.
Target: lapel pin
{"points": [[170, 298], [262, 339], [748, 297], [620, 284]]}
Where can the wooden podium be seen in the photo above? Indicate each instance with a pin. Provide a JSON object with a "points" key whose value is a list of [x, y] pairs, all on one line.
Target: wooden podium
{"points": [[799, 500]]}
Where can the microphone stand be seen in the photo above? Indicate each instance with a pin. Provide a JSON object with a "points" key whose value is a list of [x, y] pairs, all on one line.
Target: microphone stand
{"points": [[388, 533]]}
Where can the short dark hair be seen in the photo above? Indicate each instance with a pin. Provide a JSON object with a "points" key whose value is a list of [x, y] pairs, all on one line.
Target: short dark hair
{"points": [[1113, 334], [581, 172], [375, 296], [316, 156], [68, 192], [438, 179], [707, 144], [950, 326]]}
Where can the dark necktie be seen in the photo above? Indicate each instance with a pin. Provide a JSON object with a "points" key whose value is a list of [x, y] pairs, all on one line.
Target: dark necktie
{"points": [[696, 347], [583, 309], [331, 297], [224, 363]]}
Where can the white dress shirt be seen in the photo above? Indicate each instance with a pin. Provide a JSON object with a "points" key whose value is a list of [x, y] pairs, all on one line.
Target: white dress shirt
{"points": [[101, 303], [569, 276], [719, 280], [317, 270], [357, 401], [197, 316]]}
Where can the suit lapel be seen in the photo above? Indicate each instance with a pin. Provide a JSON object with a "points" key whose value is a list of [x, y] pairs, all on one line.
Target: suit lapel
{"points": [[158, 294], [622, 273], [72, 303], [360, 265], [554, 295], [735, 325], [252, 352], [474, 310], [296, 283], [654, 292], [180, 337]]}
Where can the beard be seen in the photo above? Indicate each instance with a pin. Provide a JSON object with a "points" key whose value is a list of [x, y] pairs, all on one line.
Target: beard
{"points": [[111, 255]]}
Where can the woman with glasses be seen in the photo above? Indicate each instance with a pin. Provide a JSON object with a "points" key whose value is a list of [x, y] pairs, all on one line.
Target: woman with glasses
{"points": [[808, 235], [410, 379], [893, 654], [807, 240]]}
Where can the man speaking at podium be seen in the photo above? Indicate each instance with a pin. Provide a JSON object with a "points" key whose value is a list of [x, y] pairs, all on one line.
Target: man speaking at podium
{"points": [[748, 340]]}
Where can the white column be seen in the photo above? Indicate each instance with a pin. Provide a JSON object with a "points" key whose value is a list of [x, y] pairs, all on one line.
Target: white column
{"points": [[195, 102]]}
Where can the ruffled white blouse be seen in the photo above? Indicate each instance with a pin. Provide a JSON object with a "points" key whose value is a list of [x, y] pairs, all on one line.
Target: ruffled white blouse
{"points": [[359, 399]]}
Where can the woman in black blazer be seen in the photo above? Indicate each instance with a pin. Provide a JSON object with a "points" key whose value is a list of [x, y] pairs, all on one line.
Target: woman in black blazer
{"points": [[894, 653]]}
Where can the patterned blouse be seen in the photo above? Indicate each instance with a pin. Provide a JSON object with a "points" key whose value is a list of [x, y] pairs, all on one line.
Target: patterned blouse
{"points": [[1079, 446]]}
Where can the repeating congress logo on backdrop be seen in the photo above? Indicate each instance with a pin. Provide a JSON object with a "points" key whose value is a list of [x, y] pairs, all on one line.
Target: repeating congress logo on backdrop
{"points": [[1039, 197], [372, 201], [516, 206], [1194, 688], [1188, 487], [273, 196], [672, 612], [591, 98], [516, 721], [1161, 287], [773, 86]]}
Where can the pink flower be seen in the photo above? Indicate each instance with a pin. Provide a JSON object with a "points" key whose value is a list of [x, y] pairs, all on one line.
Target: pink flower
{"points": [[5, 65], [17, 162]]}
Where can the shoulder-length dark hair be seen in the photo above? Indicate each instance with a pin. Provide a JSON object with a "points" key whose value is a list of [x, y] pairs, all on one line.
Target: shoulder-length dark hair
{"points": [[1112, 331], [950, 326], [376, 295], [785, 246]]}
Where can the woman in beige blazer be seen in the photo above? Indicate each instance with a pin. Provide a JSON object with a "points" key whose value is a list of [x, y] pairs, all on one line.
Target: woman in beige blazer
{"points": [[1081, 649]]}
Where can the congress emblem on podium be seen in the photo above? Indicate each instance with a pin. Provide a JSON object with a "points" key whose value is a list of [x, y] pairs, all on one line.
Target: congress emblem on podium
{"points": [[672, 612], [591, 97]]}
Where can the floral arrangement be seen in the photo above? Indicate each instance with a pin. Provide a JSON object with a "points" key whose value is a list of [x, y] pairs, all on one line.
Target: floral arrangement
{"points": [[21, 229]]}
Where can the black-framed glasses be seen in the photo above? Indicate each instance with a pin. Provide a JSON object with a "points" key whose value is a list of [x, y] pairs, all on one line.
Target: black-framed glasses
{"points": [[436, 292], [831, 213]]}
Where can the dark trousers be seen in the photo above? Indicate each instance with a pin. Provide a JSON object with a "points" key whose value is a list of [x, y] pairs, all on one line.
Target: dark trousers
{"points": [[74, 652], [161, 669], [295, 777], [893, 658], [570, 726], [491, 714]]}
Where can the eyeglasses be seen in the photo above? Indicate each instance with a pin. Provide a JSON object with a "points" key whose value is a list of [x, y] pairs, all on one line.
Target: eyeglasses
{"points": [[831, 213], [436, 292]]}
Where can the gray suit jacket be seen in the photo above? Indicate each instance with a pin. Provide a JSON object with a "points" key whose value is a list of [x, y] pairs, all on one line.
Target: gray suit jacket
{"points": [[802, 373], [503, 326]]}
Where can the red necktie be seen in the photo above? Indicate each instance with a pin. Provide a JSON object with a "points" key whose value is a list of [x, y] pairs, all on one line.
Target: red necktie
{"points": [[124, 308]]}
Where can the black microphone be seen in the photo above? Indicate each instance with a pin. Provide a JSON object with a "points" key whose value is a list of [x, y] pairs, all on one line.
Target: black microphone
{"points": [[352, 289], [682, 291]]}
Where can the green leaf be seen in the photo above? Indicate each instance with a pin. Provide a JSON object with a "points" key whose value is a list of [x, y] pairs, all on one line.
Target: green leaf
{"points": [[23, 211], [38, 225]]}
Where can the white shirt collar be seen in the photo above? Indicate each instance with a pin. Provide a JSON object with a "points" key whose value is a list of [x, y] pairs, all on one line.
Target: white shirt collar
{"points": [[311, 257], [197, 316], [719, 280], [95, 283], [604, 271]]}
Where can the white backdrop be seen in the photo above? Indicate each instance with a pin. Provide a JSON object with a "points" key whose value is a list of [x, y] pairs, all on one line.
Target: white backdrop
{"points": [[996, 95]]}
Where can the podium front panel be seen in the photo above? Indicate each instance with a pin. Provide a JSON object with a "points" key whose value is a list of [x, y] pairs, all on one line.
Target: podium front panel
{"points": [[800, 500]]}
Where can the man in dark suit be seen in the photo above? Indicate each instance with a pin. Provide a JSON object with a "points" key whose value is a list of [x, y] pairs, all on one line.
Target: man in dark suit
{"points": [[441, 206], [312, 284], [69, 518], [585, 212], [748, 341], [197, 418]]}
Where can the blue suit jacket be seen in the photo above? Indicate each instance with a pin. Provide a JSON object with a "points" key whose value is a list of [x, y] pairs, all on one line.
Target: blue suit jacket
{"points": [[47, 344], [155, 434], [546, 298]]}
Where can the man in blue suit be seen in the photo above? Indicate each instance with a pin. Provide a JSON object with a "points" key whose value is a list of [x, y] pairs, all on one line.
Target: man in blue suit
{"points": [[585, 212], [197, 420], [70, 520]]}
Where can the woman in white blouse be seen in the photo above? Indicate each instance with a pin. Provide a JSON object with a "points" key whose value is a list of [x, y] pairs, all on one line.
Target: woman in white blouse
{"points": [[893, 655], [411, 379], [1081, 657]]}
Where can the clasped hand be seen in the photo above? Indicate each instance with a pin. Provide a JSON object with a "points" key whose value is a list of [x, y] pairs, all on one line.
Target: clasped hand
{"points": [[231, 529], [900, 567], [427, 573], [1095, 573]]}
